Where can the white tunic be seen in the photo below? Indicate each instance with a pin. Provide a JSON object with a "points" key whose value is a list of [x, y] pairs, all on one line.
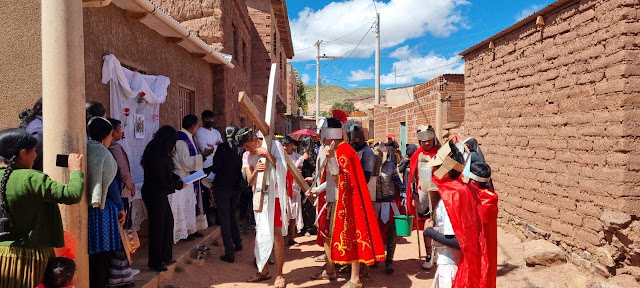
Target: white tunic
{"points": [[183, 202], [294, 207], [446, 257]]}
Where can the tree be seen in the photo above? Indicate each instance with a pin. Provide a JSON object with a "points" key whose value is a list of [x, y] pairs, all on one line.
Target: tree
{"points": [[302, 95], [346, 105]]}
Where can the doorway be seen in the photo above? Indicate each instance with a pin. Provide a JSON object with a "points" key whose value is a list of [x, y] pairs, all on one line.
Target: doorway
{"points": [[403, 138]]}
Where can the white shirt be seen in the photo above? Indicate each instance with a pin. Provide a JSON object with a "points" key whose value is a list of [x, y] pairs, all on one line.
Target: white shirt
{"points": [[444, 254], [205, 137], [184, 162]]}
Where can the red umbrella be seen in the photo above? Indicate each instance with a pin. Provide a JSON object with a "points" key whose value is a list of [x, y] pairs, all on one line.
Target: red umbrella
{"points": [[297, 135]]}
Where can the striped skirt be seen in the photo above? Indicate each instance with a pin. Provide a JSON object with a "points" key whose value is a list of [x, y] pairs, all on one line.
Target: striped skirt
{"points": [[119, 269], [23, 267]]}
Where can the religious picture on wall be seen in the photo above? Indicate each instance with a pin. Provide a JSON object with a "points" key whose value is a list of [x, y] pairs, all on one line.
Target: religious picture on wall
{"points": [[139, 125]]}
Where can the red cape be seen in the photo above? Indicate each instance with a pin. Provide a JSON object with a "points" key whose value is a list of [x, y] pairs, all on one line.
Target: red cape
{"points": [[461, 205], [488, 212], [418, 223], [355, 236]]}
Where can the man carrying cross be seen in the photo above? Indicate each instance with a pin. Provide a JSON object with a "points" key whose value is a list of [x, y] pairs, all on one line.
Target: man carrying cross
{"points": [[270, 230]]}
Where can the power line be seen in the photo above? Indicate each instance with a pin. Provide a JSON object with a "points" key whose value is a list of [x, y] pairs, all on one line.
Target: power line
{"points": [[341, 37], [403, 75], [354, 50]]}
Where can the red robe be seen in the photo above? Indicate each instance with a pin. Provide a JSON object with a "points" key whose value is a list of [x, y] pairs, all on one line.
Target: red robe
{"points": [[418, 223], [488, 212], [355, 236], [461, 205]]}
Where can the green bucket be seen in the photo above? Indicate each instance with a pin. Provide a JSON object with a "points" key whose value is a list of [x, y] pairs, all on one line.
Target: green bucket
{"points": [[404, 225]]}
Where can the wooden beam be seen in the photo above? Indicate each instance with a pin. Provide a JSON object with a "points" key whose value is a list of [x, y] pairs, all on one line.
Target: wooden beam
{"points": [[253, 112], [296, 174], [137, 15]]}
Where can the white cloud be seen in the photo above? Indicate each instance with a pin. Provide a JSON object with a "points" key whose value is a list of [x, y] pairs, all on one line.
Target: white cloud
{"points": [[403, 52], [359, 75], [305, 78], [528, 11], [400, 20], [419, 69]]}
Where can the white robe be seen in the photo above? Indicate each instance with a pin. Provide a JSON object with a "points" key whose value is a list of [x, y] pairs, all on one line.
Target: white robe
{"points": [[294, 203], [447, 258], [264, 219], [183, 202]]}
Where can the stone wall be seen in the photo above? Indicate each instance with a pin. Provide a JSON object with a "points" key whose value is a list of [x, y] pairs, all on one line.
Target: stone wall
{"points": [[444, 93], [556, 110]]}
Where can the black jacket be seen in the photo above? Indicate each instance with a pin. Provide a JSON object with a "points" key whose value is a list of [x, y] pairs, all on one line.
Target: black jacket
{"points": [[227, 165]]}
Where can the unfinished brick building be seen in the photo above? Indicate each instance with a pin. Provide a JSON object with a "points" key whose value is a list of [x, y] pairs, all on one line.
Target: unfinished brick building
{"points": [[436, 102], [554, 101]]}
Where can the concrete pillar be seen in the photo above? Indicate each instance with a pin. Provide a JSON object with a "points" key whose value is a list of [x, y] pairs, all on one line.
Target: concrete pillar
{"points": [[63, 109]]}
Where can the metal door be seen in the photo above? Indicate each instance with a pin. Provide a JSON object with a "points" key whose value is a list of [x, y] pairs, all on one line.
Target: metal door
{"points": [[403, 138]]}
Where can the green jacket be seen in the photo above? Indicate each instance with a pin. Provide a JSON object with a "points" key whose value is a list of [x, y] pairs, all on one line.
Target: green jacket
{"points": [[33, 199]]}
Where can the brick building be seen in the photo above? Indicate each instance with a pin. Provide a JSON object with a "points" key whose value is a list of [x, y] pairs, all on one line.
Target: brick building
{"points": [[436, 102], [257, 34], [554, 101]]}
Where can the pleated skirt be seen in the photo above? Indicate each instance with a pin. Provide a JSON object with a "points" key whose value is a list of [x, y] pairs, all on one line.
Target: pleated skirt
{"points": [[23, 267]]}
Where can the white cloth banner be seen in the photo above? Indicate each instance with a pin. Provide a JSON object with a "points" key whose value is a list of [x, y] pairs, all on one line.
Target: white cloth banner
{"points": [[125, 90]]}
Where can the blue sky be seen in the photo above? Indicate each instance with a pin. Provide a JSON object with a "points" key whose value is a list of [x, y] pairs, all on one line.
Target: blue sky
{"points": [[420, 38]]}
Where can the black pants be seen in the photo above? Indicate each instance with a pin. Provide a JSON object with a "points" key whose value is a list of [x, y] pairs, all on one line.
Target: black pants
{"points": [[160, 230], [99, 269], [309, 218], [226, 207]]}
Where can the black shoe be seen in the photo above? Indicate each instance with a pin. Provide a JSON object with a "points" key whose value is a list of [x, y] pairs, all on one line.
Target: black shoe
{"points": [[238, 248], [169, 262], [389, 268], [197, 235], [271, 262], [190, 238], [228, 258], [160, 268]]}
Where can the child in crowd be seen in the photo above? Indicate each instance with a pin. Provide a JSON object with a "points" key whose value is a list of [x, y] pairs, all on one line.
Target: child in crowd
{"points": [[60, 273]]}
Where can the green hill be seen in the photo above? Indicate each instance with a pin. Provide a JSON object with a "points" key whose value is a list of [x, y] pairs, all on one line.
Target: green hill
{"points": [[330, 94]]}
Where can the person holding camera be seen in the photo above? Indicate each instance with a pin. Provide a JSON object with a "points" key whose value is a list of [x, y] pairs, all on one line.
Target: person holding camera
{"points": [[30, 221]]}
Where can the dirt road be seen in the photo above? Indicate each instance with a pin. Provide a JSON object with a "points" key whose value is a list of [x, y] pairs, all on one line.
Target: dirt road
{"points": [[300, 265]]}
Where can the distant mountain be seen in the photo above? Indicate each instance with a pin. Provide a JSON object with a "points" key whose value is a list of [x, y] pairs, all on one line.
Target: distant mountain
{"points": [[362, 97]]}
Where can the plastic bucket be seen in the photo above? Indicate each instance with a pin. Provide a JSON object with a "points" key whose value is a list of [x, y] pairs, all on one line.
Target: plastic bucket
{"points": [[404, 225]]}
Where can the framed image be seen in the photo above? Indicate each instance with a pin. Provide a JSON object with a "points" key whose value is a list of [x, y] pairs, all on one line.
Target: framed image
{"points": [[139, 125]]}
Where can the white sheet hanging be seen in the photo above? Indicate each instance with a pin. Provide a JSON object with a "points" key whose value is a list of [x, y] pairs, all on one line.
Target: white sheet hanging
{"points": [[125, 87]]}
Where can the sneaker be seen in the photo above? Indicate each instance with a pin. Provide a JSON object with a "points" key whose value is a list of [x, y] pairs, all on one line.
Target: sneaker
{"points": [[427, 264], [134, 272]]}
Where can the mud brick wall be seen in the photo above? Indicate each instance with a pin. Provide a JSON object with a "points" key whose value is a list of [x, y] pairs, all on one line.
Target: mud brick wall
{"points": [[422, 110], [556, 111]]}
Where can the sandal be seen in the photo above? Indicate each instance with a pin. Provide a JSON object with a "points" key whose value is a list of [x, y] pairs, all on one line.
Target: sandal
{"points": [[280, 282], [324, 275], [321, 258], [350, 284], [259, 277]]}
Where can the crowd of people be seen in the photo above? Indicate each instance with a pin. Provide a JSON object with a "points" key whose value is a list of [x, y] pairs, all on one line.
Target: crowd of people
{"points": [[357, 187]]}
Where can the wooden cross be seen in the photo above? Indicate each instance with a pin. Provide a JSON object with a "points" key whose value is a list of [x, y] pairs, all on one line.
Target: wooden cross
{"points": [[265, 127]]}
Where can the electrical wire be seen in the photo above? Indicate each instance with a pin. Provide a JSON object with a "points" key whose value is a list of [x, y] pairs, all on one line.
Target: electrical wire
{"points": [[352, 51]]}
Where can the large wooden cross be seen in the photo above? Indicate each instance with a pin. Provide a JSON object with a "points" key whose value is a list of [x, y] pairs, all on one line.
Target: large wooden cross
{"points": [[265, 127]]}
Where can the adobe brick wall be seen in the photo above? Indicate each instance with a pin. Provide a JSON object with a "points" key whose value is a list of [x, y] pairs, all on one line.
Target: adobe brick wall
{"points": [[422, 111], [226, 26], [556, 112]]}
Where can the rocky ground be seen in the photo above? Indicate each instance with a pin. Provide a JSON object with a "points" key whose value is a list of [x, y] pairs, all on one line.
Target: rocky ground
{"points": [[512, 269]]}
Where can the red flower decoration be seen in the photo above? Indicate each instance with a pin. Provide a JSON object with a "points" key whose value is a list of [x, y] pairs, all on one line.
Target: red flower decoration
{"points": [[156, 117], [142, 94], [126, 114], [153, 135], [126, 110], [122, 133]]}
